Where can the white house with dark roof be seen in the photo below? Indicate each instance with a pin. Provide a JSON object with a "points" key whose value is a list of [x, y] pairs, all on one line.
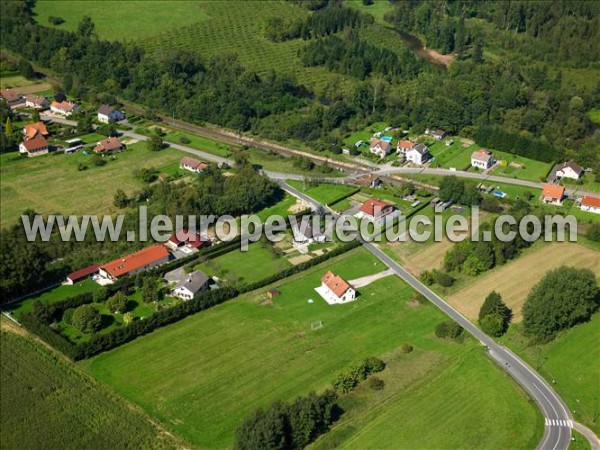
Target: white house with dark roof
{"points": [[436, 133], [419, 154], [191, 285], [569, 169], [107, 113]]}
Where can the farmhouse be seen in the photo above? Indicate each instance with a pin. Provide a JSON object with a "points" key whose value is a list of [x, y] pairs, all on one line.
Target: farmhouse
{"points": [[419, 154], [109, 145], [335, 290], [36, 101], [136, 262], [191, 164], [12, 97], [31, 130], [81, 274], [590, 204], [65, 108], [435, 133], [191, 286], [567, 169], [482, 159], [552, 194], [374, 209], [380, 148], [35, 146], [186, 242], [107, 113]]}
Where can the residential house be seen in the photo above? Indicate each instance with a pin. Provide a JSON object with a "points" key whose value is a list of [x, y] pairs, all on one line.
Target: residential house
{"points": [[36, 101], [35, 146], [435, 133], [482, 159], [136, 262], [12, 97], [552, 194], [568, 169], [368, 180], [187, 242], [191, 164], [195, 283], [107, 113], [109, 145], [82, 274], [374, 209], [31, 130], [380, 147], [402, 147], [590, 204], [419, 154], [65, 108], [307, 235], [335, 290]]}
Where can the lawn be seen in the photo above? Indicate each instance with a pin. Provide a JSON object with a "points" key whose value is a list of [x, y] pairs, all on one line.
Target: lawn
{"points": [[521, 168], [594, 115], [198, 142], [52, 183], [285, 207], [135, 20], [366, 135], [571, 360], [245, 267], [15, 81], [454, 156], [508, 279], [324, 193], [63, 406]]}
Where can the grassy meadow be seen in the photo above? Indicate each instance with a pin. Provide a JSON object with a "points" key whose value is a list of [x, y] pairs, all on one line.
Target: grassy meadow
{"points": [[326, 194], [62, 406], [242, 355]]}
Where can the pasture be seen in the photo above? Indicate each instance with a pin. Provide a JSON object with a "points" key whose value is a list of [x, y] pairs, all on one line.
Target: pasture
{"points": [[241, 355], [508, 279], [63, 406], [52, 183]]}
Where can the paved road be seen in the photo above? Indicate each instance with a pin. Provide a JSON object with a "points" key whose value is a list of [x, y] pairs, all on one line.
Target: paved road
{"points": [[557, 417]]}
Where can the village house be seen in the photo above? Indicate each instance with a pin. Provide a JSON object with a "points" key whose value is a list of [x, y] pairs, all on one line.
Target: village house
{"points": [[335, 290], [193, 284], [568, 169], [435, 133], [402, 147], [109, 145], [65, 108], [136, 262], [31, 130], [419, 154], [36, 101], [187, 242], [307, 235], [590, 204], [38, 145], [191, 164], [380, 148], [368, 180], [552, 194], [82, 274], [375, 210], [12, 97], [482, 159], [107, 113]]}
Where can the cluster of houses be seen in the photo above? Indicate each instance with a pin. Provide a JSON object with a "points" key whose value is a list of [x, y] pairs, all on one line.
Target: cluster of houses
{"points": [[15, 99], [186, 285], [555, 194]]}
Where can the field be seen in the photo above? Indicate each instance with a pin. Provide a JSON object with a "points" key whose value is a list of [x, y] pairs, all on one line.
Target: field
{"points": [[521, 168], [455, 155], [324, 193], [242, 355], [569, 361], [63, 406], [594, 115], [53, 183], [508, 280]]}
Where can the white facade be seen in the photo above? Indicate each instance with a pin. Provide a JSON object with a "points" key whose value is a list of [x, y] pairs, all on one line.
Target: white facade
{"points": [[330, 297], [417, 157], [183, 293], [114, 115], [567, 172]]}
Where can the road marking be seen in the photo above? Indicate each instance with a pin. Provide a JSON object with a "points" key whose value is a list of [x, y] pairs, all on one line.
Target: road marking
{"points": [[558, 423]]}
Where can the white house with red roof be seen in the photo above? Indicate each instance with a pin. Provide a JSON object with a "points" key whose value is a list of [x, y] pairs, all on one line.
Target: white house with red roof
{"points": [[375, 210], [552, 194], [590, 204], [380, 148], [191, 164], [482, 159], [38, 145], [136, 262], [64, 108], [109, 145], [187, 242], [82, 274], [335, 290]]}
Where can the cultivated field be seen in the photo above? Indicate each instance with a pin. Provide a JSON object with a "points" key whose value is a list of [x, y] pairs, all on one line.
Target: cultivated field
{"points": [[62, 406], [515, 279], [241, 355], [53, 183]]}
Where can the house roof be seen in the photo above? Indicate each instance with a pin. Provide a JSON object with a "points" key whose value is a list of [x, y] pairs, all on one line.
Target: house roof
{"points": [[371, 204], [31, 129], [335, 283], [37, 99], [572, 165], [593, 202], [193, 282], [65, 106], [37, 142], [367, 180], [137, 260], [194, 163], [10, 95], [405, 145], [421, 149], [82, 273], [385, 145], [108, 144], [553, 191], [105, 110], [482, 155], [437, 132], [193, 239]]}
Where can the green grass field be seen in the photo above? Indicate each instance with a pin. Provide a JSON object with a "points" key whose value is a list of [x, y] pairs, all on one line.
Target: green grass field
{"points": [[454, 155], [242, 355], [63, 406], [53, 183], [324, 193], [521, 168], [594, 115]]}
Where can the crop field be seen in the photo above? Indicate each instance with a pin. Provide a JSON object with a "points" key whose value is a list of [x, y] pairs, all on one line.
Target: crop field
{"points": [[508, 280], [568, 361], [324, 193], [52, 183], [63, 406], [242, 355]]}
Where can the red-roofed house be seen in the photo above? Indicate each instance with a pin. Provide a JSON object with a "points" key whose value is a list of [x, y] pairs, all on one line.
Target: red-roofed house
{"points": [[552, 194], [65, 108], [36, 146], [191, 164], [12, 97], [380, 148], [31, 129], [335, 290], [187, 242], [36, 101], [590, 204], [81, 274], [136, 262], [374, 209], [482, 159], [109, 145]]}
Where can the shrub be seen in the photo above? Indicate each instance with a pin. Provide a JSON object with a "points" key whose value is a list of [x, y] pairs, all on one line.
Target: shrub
{"points": [[593, 233], [443, 279], [448, 329], [81, 167], [87, 319], [373, 365], [427, 278], [117, 304], [406, 348], [184, 139], [56, 20], [68, 315], [376, 383]]}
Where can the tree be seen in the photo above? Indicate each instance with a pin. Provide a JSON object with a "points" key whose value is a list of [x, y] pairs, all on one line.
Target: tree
{"points": [[154, 143], [448, 329], [593, 232], [478, 53], [8, 129], [149, 291], [87, 319], [494, 315], [117, 304], [35, 116], [564, 297], [86, 27], [60, 96], [26, 69], [120, 199]]}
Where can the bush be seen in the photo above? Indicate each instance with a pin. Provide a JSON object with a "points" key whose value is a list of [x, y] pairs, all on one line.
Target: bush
{"points": [[406, 348], [427, 278], [593, 233], [68, 315], [448, 329], [443, 279], [184, 139], [117, 304], [376, 383], [373, 365], [87, 319], [494, 315], [81, 167], [56, 20]]}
